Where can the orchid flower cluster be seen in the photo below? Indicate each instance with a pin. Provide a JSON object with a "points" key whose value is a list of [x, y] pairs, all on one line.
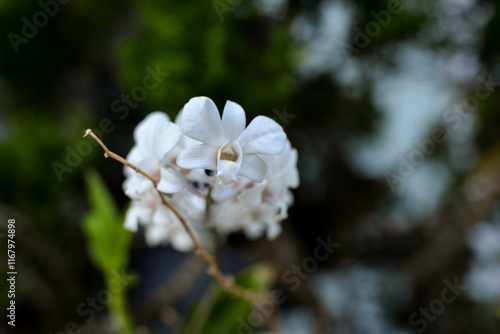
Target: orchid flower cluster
{"points": [[219, 174]]}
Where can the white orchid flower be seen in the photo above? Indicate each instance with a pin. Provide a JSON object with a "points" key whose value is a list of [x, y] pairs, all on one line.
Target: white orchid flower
{"points": [[226, 145], [155, 137], [254, 166]]}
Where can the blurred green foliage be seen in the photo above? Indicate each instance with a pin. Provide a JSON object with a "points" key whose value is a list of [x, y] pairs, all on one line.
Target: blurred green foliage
{"points": [[108, 241], [216, 312], [205, 56]]}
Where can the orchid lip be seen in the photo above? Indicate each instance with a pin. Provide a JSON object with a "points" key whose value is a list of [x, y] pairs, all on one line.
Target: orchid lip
{"points": [[228, 153]]}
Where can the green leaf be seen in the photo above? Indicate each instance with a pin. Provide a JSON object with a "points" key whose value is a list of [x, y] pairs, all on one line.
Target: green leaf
{"points": [[220, 312], [108, 241]]}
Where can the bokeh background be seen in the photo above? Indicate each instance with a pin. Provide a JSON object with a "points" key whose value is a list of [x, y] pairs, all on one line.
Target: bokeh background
{"points": [[392, 105]]}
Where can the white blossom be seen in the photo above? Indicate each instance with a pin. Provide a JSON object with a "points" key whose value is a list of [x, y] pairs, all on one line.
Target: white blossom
{"points": [[225, 144], [220, 176], [155, 137], [258, 208]]}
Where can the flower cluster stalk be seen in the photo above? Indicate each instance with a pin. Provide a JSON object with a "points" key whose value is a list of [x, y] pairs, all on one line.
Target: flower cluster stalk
{"points": [[226, 282]]}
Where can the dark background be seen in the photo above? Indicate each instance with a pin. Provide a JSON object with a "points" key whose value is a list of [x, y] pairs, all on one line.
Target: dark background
{"points": [[360, 87]]}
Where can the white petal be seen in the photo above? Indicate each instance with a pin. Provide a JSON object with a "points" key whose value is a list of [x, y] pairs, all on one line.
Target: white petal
{"points": [[151, 167], [191, 206], [201, 121], [144, 128], [134, 157], [131, 219], [227, 171], [233, 120], [156, 135], [277, 164], [289, 199], [221, 192], [293, 179], [139, 212], [163, 217], [229, 216], [198, 156], [282, 170], [181, 242], [254, 229], [143, 185], [135, 186], [263, 136], [273, 230], [169, 183], [178, 118], [253, 167], [167, 136], [253, 196], [156, 234]]}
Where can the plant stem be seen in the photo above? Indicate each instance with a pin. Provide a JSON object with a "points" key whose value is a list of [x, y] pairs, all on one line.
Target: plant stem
{"points": [[119, 310], [226, 282]]}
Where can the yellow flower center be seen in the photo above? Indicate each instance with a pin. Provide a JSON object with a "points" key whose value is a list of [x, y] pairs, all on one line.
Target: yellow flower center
{"points": [[228, 153]]}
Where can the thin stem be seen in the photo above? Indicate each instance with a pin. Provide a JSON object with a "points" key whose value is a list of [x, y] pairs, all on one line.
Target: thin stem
{"points": [[209, 199], [214, 270], [120, 311]]}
